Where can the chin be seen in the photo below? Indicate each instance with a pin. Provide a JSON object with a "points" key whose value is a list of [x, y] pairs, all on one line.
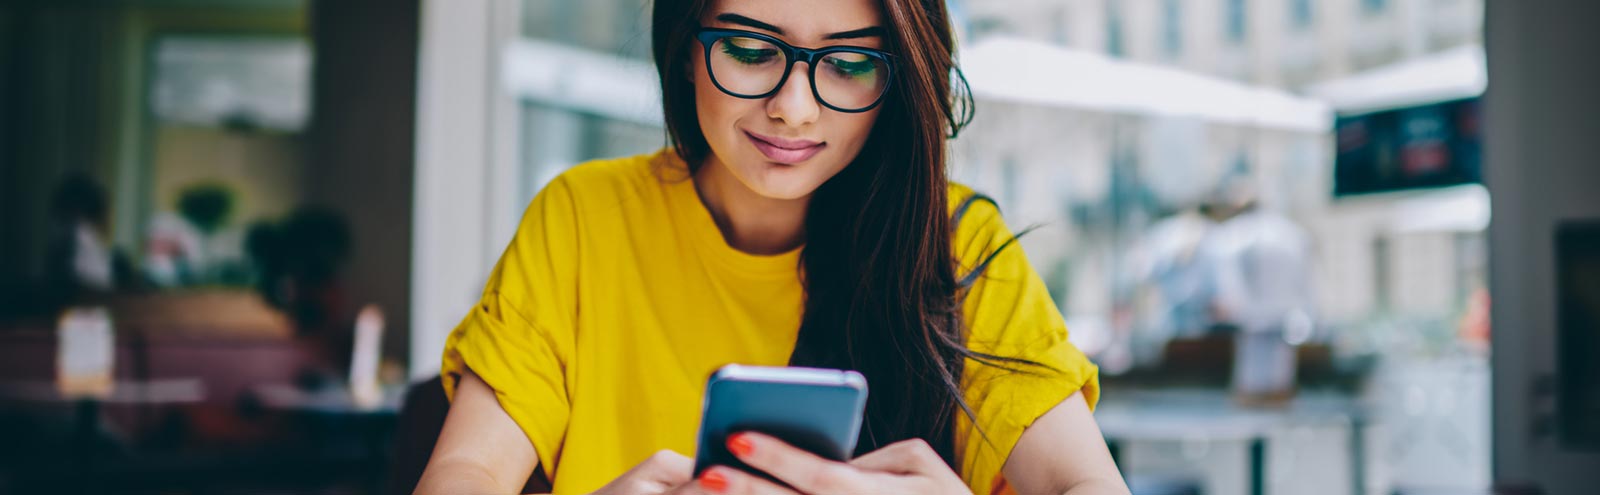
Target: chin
{"points": [[777, 181], [789, 195], [785, 190]]}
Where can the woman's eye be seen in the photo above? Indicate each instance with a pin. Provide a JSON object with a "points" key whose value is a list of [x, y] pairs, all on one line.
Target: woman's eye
{"points": [[748, 55], [852, 68]]}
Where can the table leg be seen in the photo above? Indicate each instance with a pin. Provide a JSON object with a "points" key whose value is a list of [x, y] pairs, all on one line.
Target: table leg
{"points": [[1258, 466], [86, 430], [1358, 457]]}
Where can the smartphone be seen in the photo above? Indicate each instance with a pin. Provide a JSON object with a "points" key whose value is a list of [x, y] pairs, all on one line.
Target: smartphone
{"points": [[818, 410]]}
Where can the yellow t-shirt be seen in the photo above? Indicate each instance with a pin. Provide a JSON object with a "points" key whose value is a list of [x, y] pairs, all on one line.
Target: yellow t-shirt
{"points": [[618, 297]]}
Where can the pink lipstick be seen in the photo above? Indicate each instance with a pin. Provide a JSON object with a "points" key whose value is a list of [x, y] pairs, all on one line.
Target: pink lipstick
{"points": [[787, 151]]}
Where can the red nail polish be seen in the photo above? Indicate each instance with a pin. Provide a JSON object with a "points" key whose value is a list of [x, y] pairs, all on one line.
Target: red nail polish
{"points": [[713, 481], [740, 445]]}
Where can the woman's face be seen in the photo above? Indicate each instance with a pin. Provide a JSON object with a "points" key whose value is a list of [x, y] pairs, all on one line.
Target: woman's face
{"points": [[786, 145]]}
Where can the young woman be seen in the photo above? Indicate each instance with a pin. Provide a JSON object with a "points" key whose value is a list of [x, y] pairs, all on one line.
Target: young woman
{"points": [[801, 216]]}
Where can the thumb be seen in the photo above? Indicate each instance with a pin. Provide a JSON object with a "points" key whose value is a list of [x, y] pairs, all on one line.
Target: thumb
{"points": [[667, 467]]}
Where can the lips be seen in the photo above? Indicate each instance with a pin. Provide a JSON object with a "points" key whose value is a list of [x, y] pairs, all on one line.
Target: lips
{"points": [[787, 151]]}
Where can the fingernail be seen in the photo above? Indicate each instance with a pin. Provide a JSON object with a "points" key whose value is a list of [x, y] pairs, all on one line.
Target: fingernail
{"points": [[740, 445], [713, 481]]}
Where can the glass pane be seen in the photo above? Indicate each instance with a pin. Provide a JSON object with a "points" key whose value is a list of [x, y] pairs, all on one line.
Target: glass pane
{"points": [[594, 40], [1189, 164]]}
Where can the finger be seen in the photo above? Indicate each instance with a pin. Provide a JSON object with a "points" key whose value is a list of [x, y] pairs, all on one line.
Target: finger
{"points": [[693, 487], [667, 467], [800, 469], [729, 481], [902, 457]]}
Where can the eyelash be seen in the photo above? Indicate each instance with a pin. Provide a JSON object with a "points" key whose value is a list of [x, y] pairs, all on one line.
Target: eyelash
{"points": [[852, 69], [747, 55]]}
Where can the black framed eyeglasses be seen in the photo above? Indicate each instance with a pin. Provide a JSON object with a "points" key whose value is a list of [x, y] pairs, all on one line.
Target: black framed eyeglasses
{"points": [[752, 65]]}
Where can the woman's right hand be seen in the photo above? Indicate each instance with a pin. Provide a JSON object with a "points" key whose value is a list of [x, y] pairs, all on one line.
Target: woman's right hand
{"points": [[664, 472]]}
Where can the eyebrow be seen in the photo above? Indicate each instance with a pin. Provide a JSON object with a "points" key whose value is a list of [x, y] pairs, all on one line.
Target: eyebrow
{"points": [[865, 32]]}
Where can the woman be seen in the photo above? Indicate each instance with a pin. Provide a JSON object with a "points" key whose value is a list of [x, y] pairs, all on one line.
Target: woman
{"points": [[802, 216]]}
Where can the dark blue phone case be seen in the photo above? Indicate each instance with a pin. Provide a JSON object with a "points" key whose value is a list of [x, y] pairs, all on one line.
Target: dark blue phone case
{"points": [[814, 409]]}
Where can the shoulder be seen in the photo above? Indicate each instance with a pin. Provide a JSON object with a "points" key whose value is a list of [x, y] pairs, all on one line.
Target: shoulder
{"points": [[975, 221], [958, 193], [594, 195]]}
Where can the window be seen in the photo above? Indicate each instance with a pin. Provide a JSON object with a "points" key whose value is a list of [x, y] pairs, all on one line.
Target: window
{"points": [[982, 27], [1114, 45], [1172, 27], [1300, 13], [1060, 28], [1235, 18]]}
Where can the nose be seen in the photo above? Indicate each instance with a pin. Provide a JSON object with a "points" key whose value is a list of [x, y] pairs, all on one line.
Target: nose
{"points": [[794, 103]]}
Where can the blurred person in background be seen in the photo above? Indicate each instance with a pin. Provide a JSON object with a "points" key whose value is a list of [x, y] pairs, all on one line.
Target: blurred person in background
{"points": [[803, 216], [81, 264], [1231, 268], [1263, 289], [1169, 260]]}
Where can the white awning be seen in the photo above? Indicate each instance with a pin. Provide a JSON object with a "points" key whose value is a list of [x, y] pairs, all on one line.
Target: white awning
{"points": [[1449, 75], [1039, 73]]}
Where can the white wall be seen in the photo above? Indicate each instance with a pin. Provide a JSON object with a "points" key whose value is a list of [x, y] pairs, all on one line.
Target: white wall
{"points": [[466, 171], [1543, 167]]}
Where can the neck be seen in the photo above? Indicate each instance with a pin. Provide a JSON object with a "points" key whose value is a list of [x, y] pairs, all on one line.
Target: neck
{"points": [[750, 222]]}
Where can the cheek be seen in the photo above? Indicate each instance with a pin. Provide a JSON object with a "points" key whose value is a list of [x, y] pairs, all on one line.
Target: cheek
{"points": [[717, 112], [847, 135], [855, 129], [706, 101]]}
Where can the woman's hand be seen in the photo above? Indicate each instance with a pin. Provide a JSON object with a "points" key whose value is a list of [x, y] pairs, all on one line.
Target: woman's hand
{"points": [[909, 466], [665, 471]]}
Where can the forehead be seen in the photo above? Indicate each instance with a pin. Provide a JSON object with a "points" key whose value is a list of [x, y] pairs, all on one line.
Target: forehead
{"points": [[801, 20]]}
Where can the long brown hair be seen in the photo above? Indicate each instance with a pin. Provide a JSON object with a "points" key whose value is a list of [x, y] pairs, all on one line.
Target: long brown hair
{"points": [[882, 294]]}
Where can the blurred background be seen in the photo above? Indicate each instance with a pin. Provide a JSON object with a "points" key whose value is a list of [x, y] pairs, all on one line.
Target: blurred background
{"points": [[235, 233]]}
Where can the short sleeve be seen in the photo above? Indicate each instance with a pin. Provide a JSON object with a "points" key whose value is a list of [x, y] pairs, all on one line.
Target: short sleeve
{"points": [[1009, 313], [519, 337]]}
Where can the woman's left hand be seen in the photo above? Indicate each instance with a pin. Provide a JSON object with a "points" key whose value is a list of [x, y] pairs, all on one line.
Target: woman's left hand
{"points": [[909, 466]]}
